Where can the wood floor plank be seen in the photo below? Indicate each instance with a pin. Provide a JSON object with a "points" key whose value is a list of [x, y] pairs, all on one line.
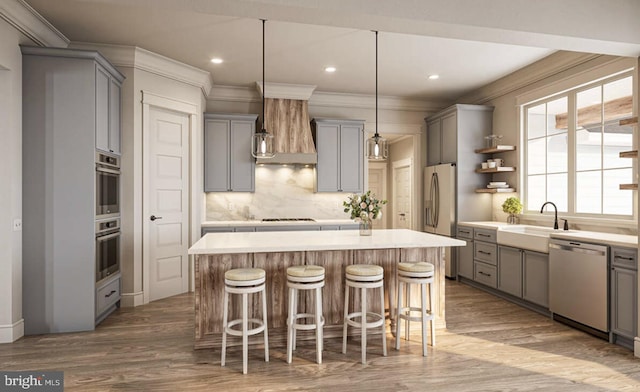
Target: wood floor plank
{"points": [[489, 345]]}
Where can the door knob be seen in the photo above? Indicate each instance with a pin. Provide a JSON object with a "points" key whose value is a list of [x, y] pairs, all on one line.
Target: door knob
{"points": [[153, 217]]}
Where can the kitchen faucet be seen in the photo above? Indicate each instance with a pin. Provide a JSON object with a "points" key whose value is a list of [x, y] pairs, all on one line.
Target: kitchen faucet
{"points": [[555, 221]]}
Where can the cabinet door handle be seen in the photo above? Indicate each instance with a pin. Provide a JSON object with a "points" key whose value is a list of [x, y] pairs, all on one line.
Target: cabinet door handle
{"points": [[623, 258], [483, 235], [484, 253], [484, 273], [110, 294]]}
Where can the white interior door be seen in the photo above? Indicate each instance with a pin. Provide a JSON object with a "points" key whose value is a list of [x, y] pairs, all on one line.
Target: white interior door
{"points": [[378, 186], [168, 203], [402, 194]]}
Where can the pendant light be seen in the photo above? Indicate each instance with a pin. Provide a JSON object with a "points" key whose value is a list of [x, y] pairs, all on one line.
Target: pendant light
{"points": [[262, 141], [377, 145]]}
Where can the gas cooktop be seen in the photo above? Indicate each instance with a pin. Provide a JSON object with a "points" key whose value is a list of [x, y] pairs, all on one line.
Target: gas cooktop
{"points": [[287, 220]]}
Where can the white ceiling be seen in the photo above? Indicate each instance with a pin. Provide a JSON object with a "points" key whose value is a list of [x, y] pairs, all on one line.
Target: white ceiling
{"points": [[193, 32]]}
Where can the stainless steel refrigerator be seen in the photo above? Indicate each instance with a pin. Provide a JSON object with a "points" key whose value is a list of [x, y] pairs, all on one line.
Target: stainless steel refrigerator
{"points": [[440, 207]]}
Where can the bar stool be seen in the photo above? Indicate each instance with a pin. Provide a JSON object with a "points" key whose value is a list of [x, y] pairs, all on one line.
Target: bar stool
{"points": [[364, 276], [420, 273], [244, 281], [305, 277]]}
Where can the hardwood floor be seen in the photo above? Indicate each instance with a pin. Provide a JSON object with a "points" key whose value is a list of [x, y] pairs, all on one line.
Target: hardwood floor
{"points": [[489, 345]]}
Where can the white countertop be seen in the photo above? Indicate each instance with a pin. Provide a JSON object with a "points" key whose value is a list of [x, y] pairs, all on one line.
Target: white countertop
{"points": [[292, 241], [629, 241], [239, 223]]}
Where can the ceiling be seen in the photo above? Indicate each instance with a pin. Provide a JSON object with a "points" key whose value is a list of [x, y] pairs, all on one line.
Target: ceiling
{"points": [[468, 43], [296, 53]]}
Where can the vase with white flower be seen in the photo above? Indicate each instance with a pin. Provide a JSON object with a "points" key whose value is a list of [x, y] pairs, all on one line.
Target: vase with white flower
{"points": [[364, 208]]}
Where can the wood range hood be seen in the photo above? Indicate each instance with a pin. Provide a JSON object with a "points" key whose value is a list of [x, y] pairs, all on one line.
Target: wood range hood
{"points": [[287, 119]]}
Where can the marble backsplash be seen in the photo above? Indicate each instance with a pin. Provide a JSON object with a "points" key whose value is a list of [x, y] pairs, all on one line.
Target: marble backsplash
{"points": [[280, 192]]}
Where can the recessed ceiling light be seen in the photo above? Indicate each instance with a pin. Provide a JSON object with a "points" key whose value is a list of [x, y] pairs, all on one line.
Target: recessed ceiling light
{"points": [[434, 77], [216, 60], [330, 69]]}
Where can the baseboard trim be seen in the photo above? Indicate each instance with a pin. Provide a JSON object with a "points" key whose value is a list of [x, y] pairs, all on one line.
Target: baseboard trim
{"points": [[131, 300], [636, 347], [11, 332]]}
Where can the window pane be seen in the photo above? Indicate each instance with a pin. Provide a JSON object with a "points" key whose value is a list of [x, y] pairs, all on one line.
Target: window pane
{"points": [[618, 102], [536, 192], [536, 156], [557, 155], [536, 121], [588, 154], [588, 192], [557, 191], [557, 116], [616, 139], [616, 201], [589, 103]]}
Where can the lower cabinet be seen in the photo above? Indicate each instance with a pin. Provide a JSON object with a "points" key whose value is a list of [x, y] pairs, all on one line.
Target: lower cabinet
{"points": [[510, 270], [535, 278], [624, 294], [485, 274], [524, 274], [107, 296], [465, 253]]}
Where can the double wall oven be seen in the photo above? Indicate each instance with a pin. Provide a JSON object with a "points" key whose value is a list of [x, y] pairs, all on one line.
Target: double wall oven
{"points": [[107, 227]]}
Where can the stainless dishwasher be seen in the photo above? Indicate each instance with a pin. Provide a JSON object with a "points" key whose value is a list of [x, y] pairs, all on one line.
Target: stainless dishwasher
{"points": [[578, 284]]}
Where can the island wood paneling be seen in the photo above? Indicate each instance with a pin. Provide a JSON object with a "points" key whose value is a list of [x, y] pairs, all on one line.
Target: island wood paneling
{"points": [[334, 263], [275, 265], [209, 289]]}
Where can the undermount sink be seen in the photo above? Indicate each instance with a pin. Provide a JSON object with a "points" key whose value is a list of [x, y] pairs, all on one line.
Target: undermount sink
{"points": [[534, 238]]}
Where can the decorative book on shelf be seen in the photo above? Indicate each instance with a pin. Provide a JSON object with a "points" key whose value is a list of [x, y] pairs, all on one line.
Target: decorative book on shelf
{"points": [[495, 149]]}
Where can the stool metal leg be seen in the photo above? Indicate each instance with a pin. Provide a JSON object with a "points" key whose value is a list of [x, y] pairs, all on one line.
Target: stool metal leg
{"points": [[384, 324], [225, 316], [318, 320], [433, 319], [290, 320], [346, 313], [266, 326], [423, 291], [398, 311], [363, 321], [245, 337], [407, 329]]}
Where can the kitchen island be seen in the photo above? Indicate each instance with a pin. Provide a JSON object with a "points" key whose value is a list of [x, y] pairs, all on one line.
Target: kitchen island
{"points": [[216, 253]]}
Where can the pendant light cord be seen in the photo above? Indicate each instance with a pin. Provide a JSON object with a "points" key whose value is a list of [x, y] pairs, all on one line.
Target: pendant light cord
{"points": [[263, 82], [377, 136]]}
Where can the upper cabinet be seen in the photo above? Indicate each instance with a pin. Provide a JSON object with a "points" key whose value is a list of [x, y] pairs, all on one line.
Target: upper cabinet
{"points": [[228, 164], [107, 111], [340, 146], [442, 139]]}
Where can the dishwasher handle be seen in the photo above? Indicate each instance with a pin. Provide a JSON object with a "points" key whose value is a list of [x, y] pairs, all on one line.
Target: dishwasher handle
{"points": [[579, 248]]}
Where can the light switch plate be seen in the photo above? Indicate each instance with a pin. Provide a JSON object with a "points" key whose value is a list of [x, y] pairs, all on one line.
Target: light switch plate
{"points": [[17, 224]]}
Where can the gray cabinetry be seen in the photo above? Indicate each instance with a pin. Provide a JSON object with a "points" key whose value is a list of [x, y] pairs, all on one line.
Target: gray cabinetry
{"points": [[468, 125], [485, 257], [624, 289], [107, 111], [465, 253], [62, 116], [535, 278], [228, 164], [510, 270], [524, 274], [340, 146]]}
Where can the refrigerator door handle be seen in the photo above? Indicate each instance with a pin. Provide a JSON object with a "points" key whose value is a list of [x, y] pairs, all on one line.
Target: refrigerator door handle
{"points": [[436, 199]]}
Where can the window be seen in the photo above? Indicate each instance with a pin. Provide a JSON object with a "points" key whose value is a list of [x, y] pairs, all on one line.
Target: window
{"points": [[572, 143]]}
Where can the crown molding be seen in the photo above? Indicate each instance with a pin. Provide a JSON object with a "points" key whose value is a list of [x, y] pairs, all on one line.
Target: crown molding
{"points": [[286, 91], [30, 23], [142, 59], [327, 99], [542, 69]]}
